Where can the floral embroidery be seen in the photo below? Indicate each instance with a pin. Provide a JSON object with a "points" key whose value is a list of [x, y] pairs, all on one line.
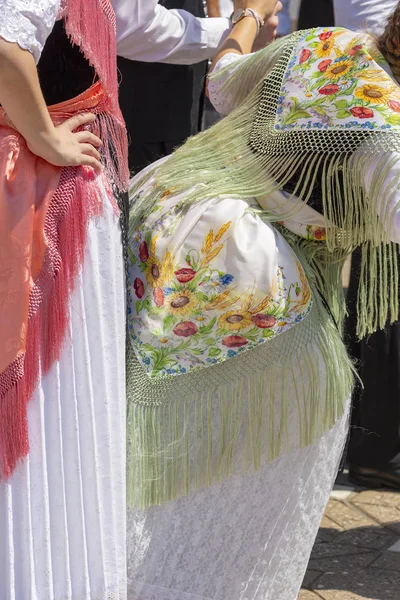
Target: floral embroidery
{"points": [[315, 233], [192, 315], [336, 78]]}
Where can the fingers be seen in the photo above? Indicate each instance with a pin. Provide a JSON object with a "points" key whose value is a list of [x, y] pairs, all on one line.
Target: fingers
{"points": [[78, 121], [89, 150], [90, 161], [89, 138], [272, 24], [278, 7]]}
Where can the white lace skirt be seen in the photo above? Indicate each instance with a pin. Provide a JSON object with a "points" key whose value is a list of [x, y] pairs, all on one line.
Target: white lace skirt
{"points": [[248, 538], [62, 513]]}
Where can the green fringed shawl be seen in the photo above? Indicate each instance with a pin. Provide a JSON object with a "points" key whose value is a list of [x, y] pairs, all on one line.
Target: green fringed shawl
{"points": [[190, 430]]}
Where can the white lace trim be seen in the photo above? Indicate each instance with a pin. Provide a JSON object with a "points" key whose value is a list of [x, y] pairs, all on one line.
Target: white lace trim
{"points": [[28, 23]]}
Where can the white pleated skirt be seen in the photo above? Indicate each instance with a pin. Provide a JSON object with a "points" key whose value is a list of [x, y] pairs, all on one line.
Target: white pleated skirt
{"points": [[62, 513], [247, 538]]}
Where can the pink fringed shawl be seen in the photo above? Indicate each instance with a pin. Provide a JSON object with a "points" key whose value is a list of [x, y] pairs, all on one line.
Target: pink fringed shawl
{"points": [[44, 211]]}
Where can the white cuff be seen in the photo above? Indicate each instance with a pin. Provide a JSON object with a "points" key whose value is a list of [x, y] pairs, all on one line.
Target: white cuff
{"points": [[215, 30]]}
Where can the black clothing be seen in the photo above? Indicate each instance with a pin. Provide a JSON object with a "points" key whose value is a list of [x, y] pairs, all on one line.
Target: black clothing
{"points": [[64, 72], [316, 13], [161, 103], [375, 434], [143, 154]]}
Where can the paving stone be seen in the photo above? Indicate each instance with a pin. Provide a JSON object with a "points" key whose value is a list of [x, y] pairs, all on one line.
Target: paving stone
{"points": [[340, 595], [310, 578], [334, 549], [354, 557], [370, 584], [379, 497], [387, 560], [328, 530], [308, 595], [360, 529], [347, 516], [373, 538], [395, 547], [387, 515], [343, 563]]}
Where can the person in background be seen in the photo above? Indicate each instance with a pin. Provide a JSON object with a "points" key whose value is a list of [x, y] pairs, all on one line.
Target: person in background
{"points": [[316, 13], [62, 286], [231, 370], [374, 447], [225, 7], [370, 15], [285, 22], [162, 103]]}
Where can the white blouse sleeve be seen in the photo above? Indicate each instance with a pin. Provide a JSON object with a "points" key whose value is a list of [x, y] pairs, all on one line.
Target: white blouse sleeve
{"points": [[388, 205], [223, 102], [28, 23], [148, 32]]}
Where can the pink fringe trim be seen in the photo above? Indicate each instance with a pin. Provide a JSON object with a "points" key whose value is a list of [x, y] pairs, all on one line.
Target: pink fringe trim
{"points": [[76, 200], [91, 25]]}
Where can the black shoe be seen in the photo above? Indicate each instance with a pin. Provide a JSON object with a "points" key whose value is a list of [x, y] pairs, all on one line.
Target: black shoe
{"points": [[375, 478]]}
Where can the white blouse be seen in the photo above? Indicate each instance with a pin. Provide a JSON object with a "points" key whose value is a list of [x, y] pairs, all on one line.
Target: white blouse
{"points": [[363, 14], [28, 23], [145, 30], [149, 32]]}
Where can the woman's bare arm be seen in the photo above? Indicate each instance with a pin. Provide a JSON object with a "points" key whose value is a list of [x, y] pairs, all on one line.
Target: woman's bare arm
{"points": [[22, 100], [213, 9], [243, 35]]}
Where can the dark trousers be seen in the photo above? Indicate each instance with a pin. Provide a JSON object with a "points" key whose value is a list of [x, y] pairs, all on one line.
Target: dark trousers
{"points": [[375, 433]]}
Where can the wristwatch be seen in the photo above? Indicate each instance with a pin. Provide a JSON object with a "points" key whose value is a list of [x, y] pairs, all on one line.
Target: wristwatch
{"points": [[242, 13]]}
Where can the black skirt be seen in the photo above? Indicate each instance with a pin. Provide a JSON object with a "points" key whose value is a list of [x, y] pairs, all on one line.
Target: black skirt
{"points": [[375, 432]]}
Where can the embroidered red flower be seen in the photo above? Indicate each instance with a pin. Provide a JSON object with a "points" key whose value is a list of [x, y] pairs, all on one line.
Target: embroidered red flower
{"points": [[319, 233], [330, 89], [355, 50], [144, 252], [139, 288], [325, 35], [264, 321], [305, 55], [324, 65], [234, 341], [185, 329], [158, 297], [185, 275], [394, 105], [362, 112]]}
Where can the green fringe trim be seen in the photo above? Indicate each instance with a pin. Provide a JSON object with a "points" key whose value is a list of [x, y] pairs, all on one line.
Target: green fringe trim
{"points": [[245, 157], [189, 431]]}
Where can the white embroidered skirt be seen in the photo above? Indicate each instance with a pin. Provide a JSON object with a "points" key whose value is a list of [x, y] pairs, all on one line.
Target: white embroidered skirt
{"points": [[62, 513], [248, 538]]}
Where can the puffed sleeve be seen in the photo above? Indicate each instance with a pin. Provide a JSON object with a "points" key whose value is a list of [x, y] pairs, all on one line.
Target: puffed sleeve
{"points": [[148, 32], [223, 102], [28, 23]]}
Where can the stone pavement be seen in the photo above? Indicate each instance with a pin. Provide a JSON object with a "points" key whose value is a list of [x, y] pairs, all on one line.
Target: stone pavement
{"points": [[357, 552]]}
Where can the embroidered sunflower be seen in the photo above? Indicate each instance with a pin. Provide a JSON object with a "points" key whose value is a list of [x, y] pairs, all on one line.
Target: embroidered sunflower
{"points": [[235, 320], [324, 48], [181, 303], [373, 93], [338, 69], [158, 271], [153, 272]]}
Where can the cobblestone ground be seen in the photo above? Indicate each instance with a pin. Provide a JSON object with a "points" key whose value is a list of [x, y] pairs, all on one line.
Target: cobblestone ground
{"points": [[357, 552]]}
